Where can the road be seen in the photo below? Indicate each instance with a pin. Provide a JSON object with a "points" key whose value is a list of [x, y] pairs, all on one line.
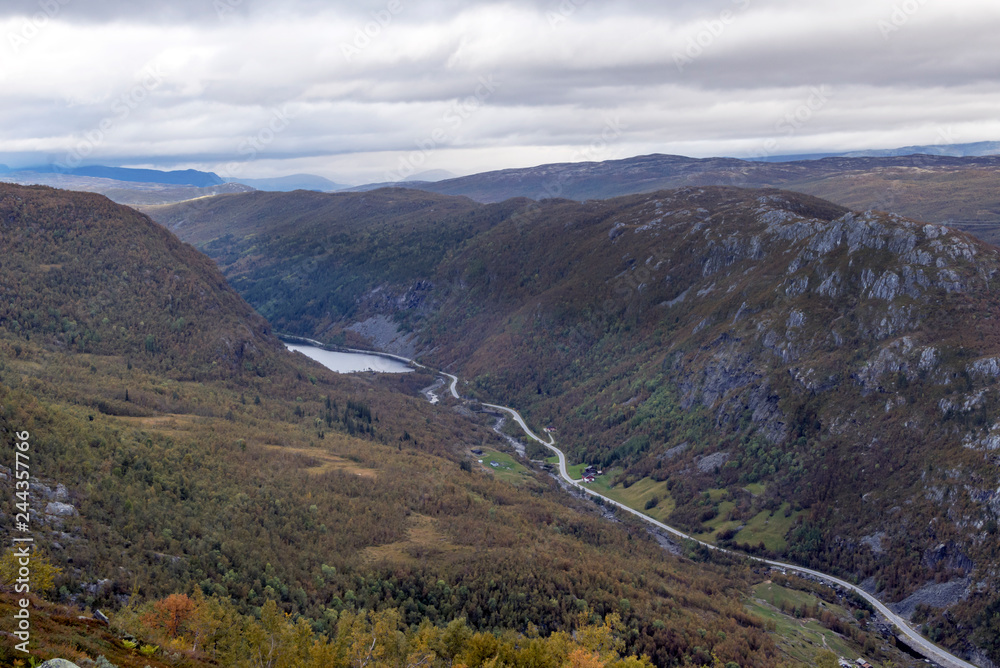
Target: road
{"points": [[917, 641]]}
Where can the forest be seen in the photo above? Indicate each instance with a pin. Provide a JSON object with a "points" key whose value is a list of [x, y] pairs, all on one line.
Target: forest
{"points": [[215, 465]]}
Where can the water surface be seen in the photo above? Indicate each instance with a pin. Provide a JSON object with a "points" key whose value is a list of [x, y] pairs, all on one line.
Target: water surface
{"points": [[350, 362]]}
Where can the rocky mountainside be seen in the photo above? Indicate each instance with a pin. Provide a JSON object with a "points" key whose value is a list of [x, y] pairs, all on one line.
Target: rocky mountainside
{"points": [[763, 368]]}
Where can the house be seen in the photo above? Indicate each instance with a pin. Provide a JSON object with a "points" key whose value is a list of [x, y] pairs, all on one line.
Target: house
{"points": [[477, 451], [588, 478], [862, 663]]}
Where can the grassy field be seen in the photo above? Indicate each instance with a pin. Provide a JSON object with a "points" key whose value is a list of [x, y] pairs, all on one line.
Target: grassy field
{"points": [[507, 468], [800, 638], [638, 495], [769, 528]]}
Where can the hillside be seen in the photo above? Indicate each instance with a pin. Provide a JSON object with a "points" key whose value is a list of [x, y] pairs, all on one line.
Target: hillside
{"points": [[329, 249], [764, 368], [934, 188], [263, 504]]}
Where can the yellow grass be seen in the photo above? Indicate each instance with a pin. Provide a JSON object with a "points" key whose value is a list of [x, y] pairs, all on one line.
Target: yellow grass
{"points": [[320, 461], [423, 540]]}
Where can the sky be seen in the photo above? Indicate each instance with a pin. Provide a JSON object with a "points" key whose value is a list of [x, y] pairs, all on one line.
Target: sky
{"points": [[377, 91]]}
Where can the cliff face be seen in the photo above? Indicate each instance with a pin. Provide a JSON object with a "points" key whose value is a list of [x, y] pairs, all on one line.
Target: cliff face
{"points": [[836, 368]]}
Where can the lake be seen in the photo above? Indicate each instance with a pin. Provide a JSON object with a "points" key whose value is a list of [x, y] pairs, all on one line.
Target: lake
{"points": [[350, 362]]}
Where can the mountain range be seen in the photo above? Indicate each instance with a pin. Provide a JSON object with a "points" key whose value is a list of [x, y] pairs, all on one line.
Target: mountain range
{"points": [[220, 497], [763, 368]]}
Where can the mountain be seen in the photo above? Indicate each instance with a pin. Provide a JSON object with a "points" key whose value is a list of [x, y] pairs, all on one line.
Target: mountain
{"points": [[982, 148], [132, 193], [328, 248], [431, 176], [187, 177], [220, 497], [121, 263], [291, 182], [958, 191], [955, 150], [764, 368]]}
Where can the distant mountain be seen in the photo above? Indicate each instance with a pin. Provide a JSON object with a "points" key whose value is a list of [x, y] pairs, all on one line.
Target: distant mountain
{"points": [[976, 149], [187, 177], [764, 368], [962, 191], [292, 182], [431, 176], [132, 193], [955, 150]]}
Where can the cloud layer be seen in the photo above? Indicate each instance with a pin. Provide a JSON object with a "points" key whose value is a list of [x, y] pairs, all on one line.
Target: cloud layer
{"points": [[365, 91]]}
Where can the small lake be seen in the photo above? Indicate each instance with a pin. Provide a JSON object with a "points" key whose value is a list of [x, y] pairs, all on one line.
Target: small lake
{"points": [[350, 362]]}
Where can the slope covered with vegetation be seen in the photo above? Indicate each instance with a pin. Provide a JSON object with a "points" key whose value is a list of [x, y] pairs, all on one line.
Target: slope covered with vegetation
{"points": [[224, 498], [771, 370]]}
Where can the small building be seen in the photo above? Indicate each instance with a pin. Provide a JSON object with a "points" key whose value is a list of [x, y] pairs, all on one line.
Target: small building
{"points": [[477, 451]]}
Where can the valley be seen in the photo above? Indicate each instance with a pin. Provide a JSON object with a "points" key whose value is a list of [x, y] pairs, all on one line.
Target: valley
{"points": [[764, 360]]}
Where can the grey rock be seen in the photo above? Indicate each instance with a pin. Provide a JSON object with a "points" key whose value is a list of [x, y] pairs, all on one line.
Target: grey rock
{"points": [[58, 663], [935, 595], [57, 509], [711, 462], [676, 450], [796, 319]]}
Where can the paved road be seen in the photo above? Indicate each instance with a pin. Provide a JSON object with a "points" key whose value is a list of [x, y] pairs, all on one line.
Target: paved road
{"points": [[924, 646], [916, 640]]}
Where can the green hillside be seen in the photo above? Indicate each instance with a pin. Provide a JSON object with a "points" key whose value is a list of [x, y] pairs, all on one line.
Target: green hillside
{"points": [[220, 497], [840, 365]]}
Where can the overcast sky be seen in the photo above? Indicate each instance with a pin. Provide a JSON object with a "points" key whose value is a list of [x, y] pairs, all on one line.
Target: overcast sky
{"points": [[368, 91]]}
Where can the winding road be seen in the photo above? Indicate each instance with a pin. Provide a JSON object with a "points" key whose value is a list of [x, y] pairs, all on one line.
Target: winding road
{"points": [[917, 641]]}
